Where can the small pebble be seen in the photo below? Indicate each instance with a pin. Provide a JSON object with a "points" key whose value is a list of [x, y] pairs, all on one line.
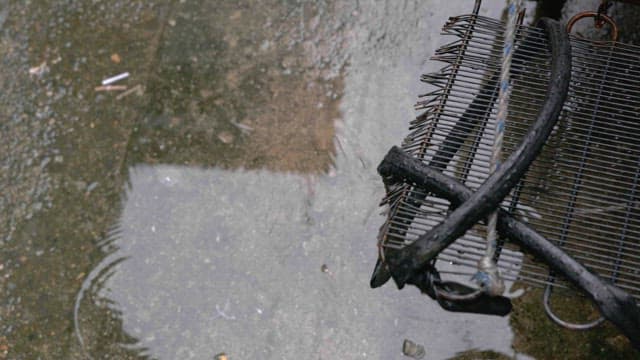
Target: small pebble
{"points": [[226, 137], [412, 350], [221, 356], [92, 186], [39, 70]]}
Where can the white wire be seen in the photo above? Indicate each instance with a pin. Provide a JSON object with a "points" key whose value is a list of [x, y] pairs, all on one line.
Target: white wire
{"points": [[488, 273]]}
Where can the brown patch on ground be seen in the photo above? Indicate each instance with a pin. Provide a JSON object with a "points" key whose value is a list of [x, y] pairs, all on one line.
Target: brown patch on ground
{"points": [[263, 94], [294, 132]]}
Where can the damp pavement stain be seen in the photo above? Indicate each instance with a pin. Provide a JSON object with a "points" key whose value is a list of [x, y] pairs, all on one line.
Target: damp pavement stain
{"points": [[227, 200]]}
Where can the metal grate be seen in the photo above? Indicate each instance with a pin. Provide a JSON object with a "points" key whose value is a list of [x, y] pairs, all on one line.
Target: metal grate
{"points": [[581, 192]]}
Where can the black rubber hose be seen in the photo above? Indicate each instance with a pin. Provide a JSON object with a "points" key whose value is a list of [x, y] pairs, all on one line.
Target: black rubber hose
{"points": [[615, 305], [404, 262]]}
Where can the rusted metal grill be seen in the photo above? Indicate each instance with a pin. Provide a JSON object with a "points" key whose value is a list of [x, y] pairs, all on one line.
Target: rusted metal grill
{"points": [[582, 192]]}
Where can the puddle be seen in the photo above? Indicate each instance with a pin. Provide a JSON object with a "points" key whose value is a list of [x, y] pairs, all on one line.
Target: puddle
{"points": [[208, 259], [229, 203]]}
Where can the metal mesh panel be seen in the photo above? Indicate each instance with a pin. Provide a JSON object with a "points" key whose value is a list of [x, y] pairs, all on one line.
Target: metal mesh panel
{"points": [[581, 192]]}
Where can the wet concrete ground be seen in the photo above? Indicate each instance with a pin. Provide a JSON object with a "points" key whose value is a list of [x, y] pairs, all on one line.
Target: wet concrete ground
{"points": [[228, 203]]}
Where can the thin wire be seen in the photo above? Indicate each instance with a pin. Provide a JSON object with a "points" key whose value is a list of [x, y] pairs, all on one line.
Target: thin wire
{"points": [[488, 274]]}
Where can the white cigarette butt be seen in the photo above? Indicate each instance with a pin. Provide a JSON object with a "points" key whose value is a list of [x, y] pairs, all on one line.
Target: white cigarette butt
{"points": [[113, 79]]}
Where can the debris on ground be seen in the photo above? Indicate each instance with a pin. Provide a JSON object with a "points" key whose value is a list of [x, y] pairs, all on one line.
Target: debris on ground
{"points": [[245, 129], [110, 88], [39, 70], [412, 350], [221, 356], [324, 268], [136, 89], [115, 78], [115, 58], [226, 137]]}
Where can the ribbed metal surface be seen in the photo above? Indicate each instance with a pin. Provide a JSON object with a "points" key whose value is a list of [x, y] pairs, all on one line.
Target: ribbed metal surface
{"points": [[582, 192]]}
